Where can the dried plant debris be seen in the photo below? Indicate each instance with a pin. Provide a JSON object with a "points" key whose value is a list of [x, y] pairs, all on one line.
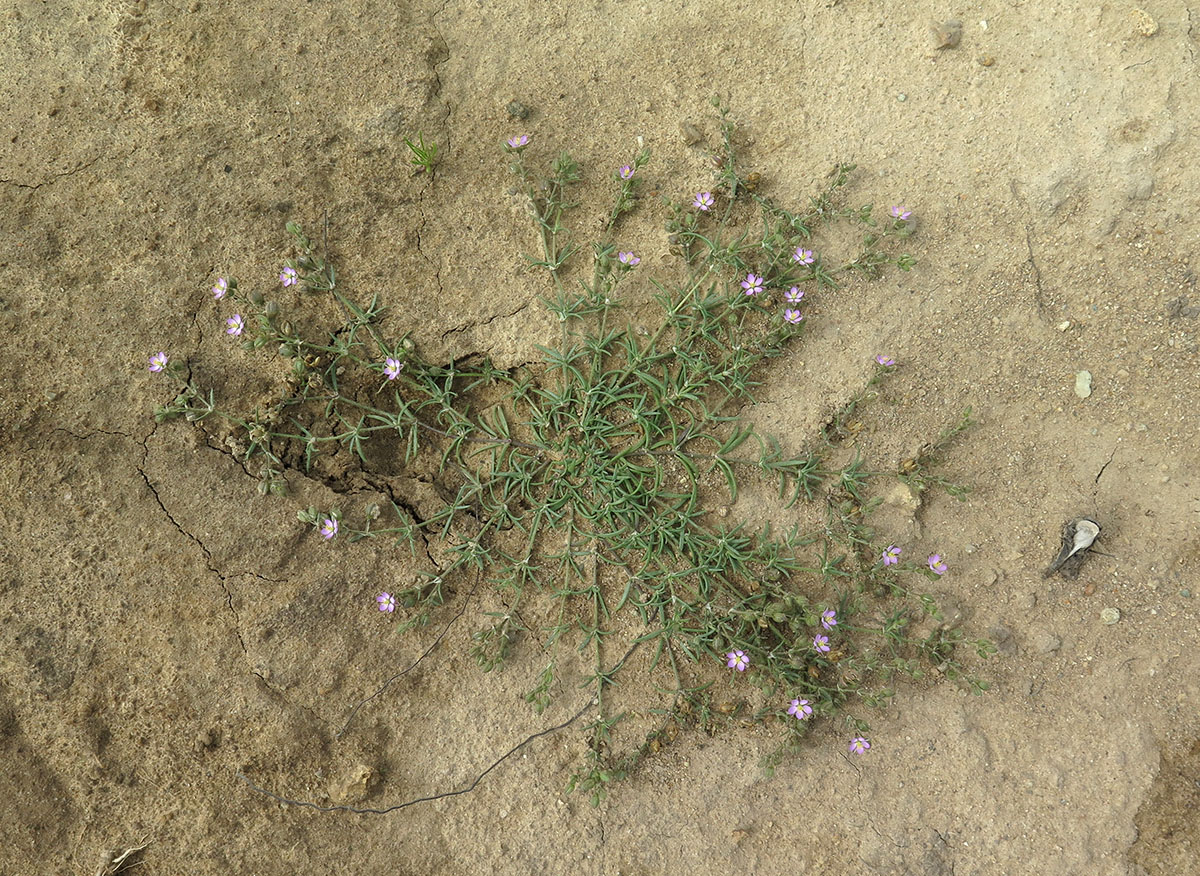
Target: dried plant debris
{"points": [[1078, 536], [112, 861]]}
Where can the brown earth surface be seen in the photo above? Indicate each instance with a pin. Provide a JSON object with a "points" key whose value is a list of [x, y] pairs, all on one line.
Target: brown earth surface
{"points": [[165, 629]]}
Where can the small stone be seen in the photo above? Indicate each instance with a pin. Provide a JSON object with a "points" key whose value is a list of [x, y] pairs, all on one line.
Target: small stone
{"points": [[1083, 384], [948, 34], [1064, 325], [1144, 23], [1002, 638], [517, 110], [902, 97], [352, 786], [987, 60], [1186, 593], [1110, 616], [1046, 643], [903, 496], [691, 134]]}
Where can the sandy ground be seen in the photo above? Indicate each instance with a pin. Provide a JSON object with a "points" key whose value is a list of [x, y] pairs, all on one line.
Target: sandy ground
{"points": [[164, 628]]}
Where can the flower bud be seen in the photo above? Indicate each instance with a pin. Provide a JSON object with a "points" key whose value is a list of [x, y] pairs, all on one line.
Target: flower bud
{"points": [[256, 298], [286, 351], [272, 309]]}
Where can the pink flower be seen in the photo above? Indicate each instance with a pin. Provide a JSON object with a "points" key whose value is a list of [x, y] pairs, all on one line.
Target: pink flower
{"points": [[800, 708], [752, 284]]}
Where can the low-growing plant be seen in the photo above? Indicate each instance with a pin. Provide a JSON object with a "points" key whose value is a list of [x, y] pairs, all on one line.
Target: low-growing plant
{"points": [[424, 155], [592, 491]]}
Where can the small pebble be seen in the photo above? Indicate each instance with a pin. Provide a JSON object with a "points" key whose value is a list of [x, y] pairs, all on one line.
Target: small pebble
{"points": [[948, 34], [1110, 616], [1144, 23], [1083, 384], [1046, 643], [987, 60], [518, 110]]}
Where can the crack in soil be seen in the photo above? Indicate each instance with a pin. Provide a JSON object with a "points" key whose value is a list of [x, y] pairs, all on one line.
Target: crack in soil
{"points": [[484, 324], [55, 177]]}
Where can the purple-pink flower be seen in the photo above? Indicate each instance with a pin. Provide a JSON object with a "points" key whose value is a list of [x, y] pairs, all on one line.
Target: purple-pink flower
{"points": [[329, 528], [891, 555], [821, 643], [158, 362], [858, 745], [518, 142], [288, 276], [234, 325], [704, 200], [800, 708], [803, 256], [752, 284], [793, 316], [738, 660], [829, 618], [220, 289], [628, 259], [794, 295], [625, 172], [386, 602], [885, 361], [936, 565], [901, 213], [391, 368]]}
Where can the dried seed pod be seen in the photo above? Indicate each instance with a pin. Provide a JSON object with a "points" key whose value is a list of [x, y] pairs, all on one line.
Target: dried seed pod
{"points": [[1078, 536]]}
